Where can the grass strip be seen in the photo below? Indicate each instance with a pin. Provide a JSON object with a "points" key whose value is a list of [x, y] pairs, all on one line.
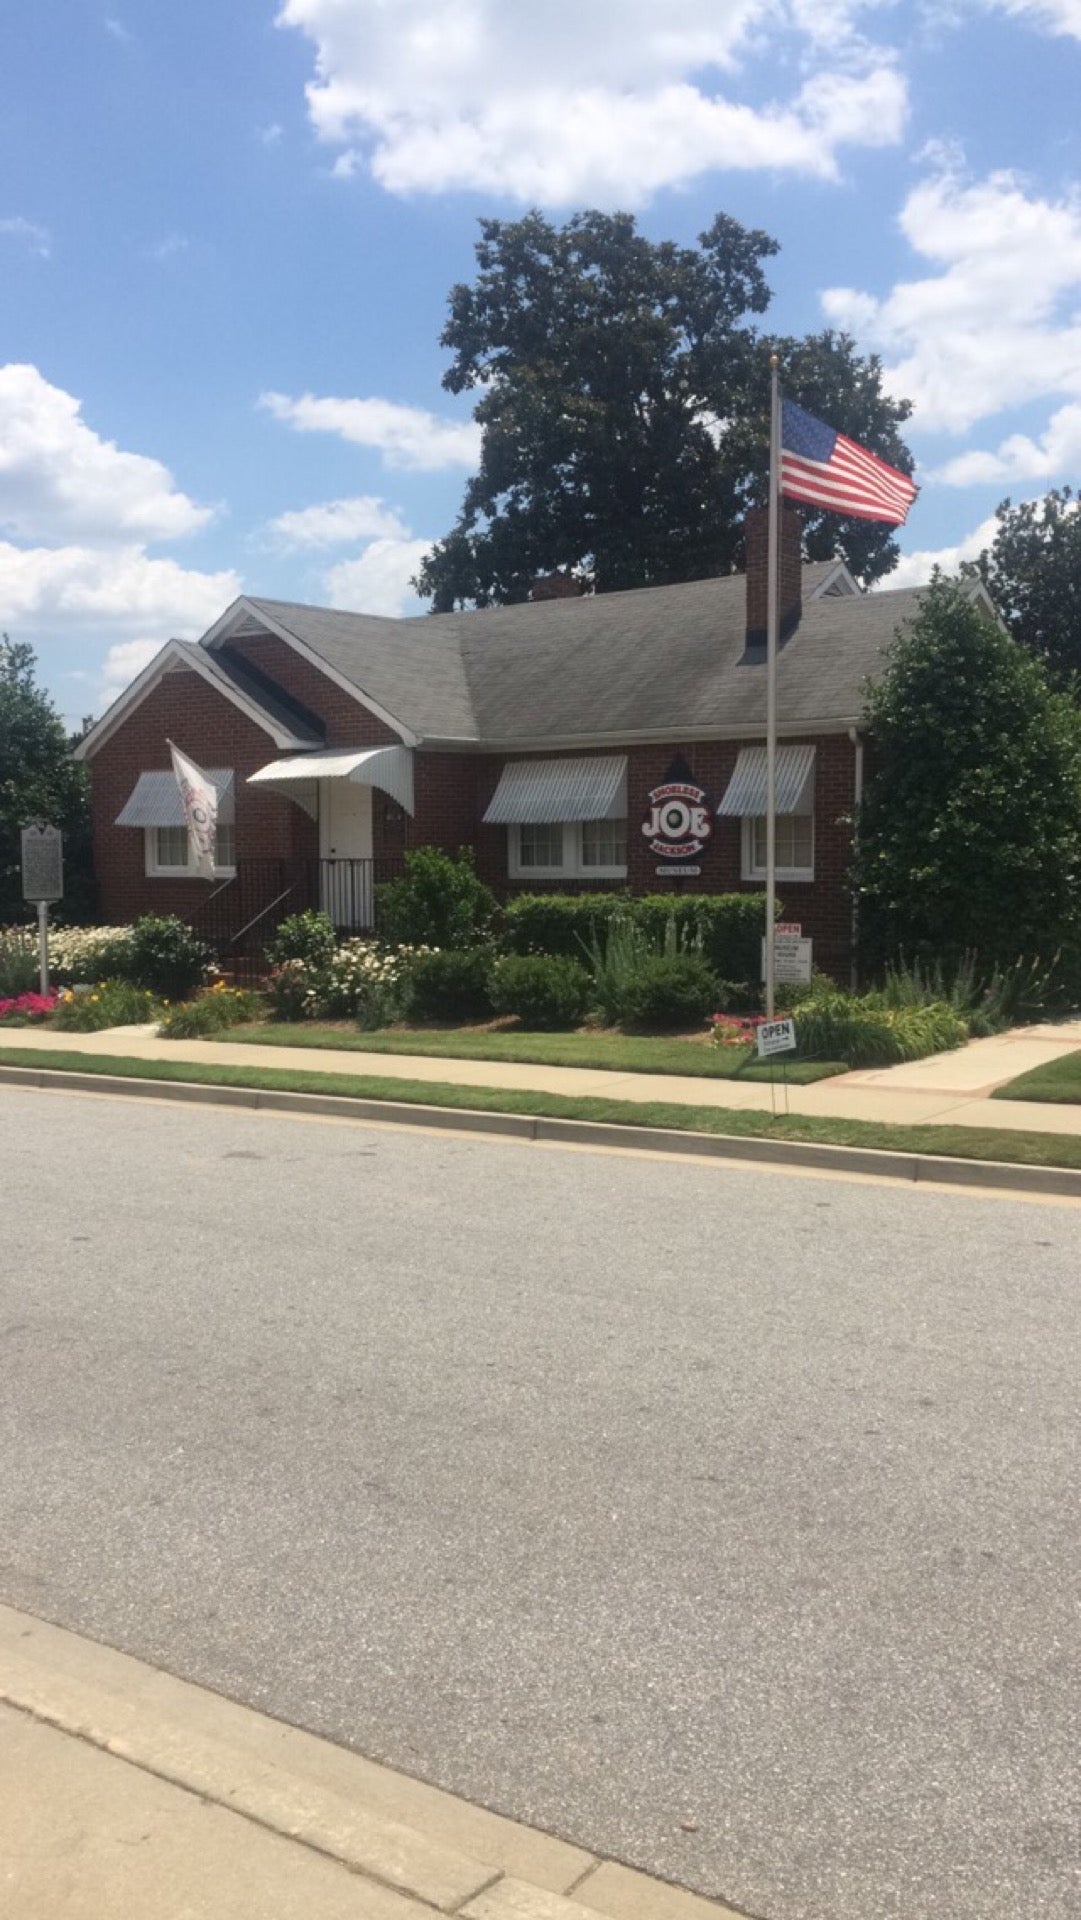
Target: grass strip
{"points": [[964, 1143], [604, 1052], [1057, 1081]]}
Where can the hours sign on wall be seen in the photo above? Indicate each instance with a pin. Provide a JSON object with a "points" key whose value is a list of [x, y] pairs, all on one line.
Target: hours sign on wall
{"points": [[679, 820]]}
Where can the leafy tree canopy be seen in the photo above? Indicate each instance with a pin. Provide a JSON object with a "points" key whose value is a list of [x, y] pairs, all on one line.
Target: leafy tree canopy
{"points": [[1033, 573], [623, 402], [970, 831], [38, 780]]}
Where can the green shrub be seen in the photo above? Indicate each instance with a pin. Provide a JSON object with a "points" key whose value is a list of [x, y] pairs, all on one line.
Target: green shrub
{"points": [[564, 923], [439, 903], [988, 998], [616, 954], [305, 936], [166, 957], [836, 1026], [451, 985], [543, 989], [221, 1007], [726, 928], [295, 990], [114, 1003], [18, 961], [669, 990]]}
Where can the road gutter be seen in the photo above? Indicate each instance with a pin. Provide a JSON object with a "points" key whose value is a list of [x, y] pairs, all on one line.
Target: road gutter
{"points": [[870, 1162]]}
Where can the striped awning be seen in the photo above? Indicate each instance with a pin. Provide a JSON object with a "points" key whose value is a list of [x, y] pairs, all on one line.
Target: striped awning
{"points": [[538, 792], [746, 791], [389, 768], [155, 801]]}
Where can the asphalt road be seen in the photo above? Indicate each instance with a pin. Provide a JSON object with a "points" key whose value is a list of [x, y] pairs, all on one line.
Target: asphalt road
{"points": [[616, 1493]]}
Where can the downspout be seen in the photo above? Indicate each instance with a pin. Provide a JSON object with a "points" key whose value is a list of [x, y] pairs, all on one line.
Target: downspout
{"points": [[854, 736]]}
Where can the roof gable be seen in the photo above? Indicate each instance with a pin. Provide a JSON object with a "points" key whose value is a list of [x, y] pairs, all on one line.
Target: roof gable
{"points": [[177, 654]]}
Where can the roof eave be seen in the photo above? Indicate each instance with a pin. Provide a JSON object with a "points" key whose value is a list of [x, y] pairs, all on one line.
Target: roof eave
{"points": [[640, 737], [176, 652]]}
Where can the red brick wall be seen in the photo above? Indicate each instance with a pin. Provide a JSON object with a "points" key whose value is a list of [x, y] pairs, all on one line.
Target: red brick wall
{"points": [[184, 708], [790, 572], [823, 905]]}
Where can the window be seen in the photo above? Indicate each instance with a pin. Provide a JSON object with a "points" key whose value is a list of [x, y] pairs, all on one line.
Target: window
{"points": [[569, 850], [795, 847], [167, 851], [541, 847], [604, 844]]}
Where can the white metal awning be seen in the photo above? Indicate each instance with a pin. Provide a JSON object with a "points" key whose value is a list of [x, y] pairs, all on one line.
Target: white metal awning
{"points": [[155, 801], [746, 791], [535, 792], [389, 768]]}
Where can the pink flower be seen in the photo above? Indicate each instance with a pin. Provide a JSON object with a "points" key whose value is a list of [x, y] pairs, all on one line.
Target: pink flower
{"points": [[36, 1006]]}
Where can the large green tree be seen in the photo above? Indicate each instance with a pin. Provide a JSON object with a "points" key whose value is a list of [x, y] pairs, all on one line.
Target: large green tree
{"points": [[970, 830], [623, 401], [1033, 572], [38, 781]]}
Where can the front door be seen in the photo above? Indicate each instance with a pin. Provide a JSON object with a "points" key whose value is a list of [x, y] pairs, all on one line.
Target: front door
{"points": [[345, 853]]}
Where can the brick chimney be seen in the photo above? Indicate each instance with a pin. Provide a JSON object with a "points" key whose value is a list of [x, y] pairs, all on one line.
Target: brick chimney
{"points": [[556, 586], [790, 575]]}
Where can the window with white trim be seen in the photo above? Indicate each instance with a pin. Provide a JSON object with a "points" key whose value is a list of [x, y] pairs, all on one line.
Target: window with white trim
{"points": [[795, 846], [568, 850], [168, 852]]}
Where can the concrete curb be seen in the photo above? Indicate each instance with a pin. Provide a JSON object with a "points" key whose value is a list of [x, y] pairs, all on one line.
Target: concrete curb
{"points": [[871, 1162], [436, 1852]]}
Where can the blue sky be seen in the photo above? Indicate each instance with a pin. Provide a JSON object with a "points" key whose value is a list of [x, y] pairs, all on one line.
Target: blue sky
{"points": [[227, 234]]}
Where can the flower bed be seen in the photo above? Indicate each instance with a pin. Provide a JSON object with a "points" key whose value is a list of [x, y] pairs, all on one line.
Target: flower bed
{"points": [[27, 1009]]}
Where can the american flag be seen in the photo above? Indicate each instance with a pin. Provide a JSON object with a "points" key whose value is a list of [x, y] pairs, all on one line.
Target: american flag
{"points": [[829, 470]]}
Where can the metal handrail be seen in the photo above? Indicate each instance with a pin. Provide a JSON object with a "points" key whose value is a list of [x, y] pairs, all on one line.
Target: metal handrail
{"points": [[210, 898], [261, 915]]}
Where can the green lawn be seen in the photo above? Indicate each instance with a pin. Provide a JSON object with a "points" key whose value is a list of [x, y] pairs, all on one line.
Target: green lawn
{"points": [[1057, 1080], [964, 1143], [610, 1052]]}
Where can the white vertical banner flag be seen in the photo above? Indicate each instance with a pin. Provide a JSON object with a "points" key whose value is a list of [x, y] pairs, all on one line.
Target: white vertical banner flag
{"points": [[199, 797]]}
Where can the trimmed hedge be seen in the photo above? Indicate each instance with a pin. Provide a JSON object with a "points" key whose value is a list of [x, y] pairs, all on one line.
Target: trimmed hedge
{"points": [[730, 924], [562, 923], [543, 989], [451, 984]]}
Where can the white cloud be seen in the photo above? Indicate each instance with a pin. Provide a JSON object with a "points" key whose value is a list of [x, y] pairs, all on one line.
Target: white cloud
{"points": [[441, 95], [37, 238], [49, 588], [1055, 456], [999, 324], [271, 135], [915, 569], [377, 581], [334, 522], [122, 664], [1058, 16], [117, 30], [60, 481], [405, 436], [168, 248]]}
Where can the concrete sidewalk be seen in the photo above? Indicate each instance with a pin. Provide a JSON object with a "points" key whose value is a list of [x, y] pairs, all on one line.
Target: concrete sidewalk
{"points": [[126, 1793], [950, 1089]]}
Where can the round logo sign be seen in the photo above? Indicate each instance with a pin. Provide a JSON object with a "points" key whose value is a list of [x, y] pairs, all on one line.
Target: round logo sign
{"points": [[679, 820]]}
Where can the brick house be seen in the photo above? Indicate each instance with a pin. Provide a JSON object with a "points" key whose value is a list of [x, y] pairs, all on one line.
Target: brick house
{"points": [[565, 740]]}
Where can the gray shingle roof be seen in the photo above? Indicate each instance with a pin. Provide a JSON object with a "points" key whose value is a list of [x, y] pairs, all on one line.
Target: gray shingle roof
{"points": [[276, 706], [661, 661]]}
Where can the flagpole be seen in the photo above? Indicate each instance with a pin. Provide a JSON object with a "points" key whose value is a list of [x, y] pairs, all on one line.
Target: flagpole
{"points": [[772, 640]]}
